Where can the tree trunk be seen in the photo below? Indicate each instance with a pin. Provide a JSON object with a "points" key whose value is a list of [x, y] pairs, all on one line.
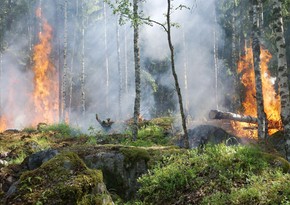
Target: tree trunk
{"points": [[215, 55], [137, 70], [219, 115], [282, 73], [262, 121], [119, 69], [126, 60], [65, 68], [106, 56], [83, 63], [185, 70], [186, 143]]}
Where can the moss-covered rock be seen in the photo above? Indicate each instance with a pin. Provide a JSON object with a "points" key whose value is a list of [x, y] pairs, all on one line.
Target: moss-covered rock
{"points": [[64, 179]]}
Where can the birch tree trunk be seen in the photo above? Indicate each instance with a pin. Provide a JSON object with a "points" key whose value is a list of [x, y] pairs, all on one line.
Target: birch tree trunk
{"points": [[137, 70], [282, 73], [126, 60], [72, 60], [65, 68], [215, 55], [262, 120], [185, 70], [83, 63], [119, 68], [177, 87]]}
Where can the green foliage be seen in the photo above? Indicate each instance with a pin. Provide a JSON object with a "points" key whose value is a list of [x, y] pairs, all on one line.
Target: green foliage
{"points": [[148, 135], [62, 130], [220, 175]]}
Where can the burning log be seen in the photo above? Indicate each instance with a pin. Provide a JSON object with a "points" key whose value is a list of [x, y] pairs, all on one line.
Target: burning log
{"points": [[104, 123], [219, 115]]}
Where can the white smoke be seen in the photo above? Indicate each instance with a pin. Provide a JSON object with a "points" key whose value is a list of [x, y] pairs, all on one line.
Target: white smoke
{"points": [[193, 42]]}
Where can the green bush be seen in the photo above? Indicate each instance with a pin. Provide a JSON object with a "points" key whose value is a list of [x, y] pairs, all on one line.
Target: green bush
{"points": [[218, 175], [62, 130]]}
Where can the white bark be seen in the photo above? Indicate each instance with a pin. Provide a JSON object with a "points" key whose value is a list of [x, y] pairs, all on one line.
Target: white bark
{"points": [[282, 73], [262, 120], [83, 92]]}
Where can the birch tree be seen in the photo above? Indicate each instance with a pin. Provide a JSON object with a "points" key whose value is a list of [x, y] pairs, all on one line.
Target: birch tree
{"points": [[137, 69], [83, 92], [177, 87], [282, 72], [65, 68], [262, 121]]}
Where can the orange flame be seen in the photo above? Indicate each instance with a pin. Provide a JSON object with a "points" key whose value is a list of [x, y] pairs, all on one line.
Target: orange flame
{"points": [[271, 99], [3, 123], [45, 93]]}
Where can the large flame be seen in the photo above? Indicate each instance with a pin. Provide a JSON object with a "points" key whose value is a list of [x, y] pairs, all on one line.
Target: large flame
{"points": [[45, 95], [271, 99]]}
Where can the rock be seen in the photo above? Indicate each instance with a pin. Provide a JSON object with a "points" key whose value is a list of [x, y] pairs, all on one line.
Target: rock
{"points": [[121, 168], [37, 159], [64, 179], [204, 134]]}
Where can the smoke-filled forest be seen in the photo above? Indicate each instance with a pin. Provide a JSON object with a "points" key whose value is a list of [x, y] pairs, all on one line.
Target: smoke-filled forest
{"points": [[150, 78]]}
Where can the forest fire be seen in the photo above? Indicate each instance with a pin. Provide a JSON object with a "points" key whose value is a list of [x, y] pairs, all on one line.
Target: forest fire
{"points": [[271, 99], [45, 95]]}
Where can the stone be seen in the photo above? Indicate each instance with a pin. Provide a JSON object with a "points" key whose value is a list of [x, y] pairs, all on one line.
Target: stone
{"points": [[37, 159]]}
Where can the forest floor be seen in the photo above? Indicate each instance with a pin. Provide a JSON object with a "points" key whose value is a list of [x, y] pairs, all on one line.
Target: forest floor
{"points": [[214, 174]]}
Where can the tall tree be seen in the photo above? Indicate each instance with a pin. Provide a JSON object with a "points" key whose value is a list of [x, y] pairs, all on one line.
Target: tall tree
{"points": [[106, 54], [119, 68], [177, 87], [65, 67], [282, 72], [83, 92], [137, 69], [262, 121]]}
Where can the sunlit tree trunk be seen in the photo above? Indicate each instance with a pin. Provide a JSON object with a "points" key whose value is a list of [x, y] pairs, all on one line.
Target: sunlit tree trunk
{"points": [[65, 68], [262, 121], [177, 87], [137, 70], [119, 68], [282, 72], [83, 62]]}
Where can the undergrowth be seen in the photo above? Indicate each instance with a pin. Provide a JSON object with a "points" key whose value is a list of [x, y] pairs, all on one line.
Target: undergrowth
{"points": [[217, 175], [62, 130]]}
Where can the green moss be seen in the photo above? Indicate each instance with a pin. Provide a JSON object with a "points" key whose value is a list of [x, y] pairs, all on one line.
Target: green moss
{"points": [[134, 154], [64, 179]]}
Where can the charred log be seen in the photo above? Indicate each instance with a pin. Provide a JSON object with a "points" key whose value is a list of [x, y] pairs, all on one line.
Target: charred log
{"points": [[219, 115]]}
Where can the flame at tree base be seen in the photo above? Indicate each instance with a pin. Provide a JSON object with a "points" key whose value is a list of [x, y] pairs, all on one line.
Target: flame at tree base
{"points": [[271, 99]]}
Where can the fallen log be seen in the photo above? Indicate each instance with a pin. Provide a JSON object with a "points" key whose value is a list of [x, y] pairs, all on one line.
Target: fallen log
{"points": [[219, 115]]}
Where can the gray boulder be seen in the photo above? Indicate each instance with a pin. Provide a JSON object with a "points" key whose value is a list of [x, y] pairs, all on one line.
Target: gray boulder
{"points": [[37, 159]]}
